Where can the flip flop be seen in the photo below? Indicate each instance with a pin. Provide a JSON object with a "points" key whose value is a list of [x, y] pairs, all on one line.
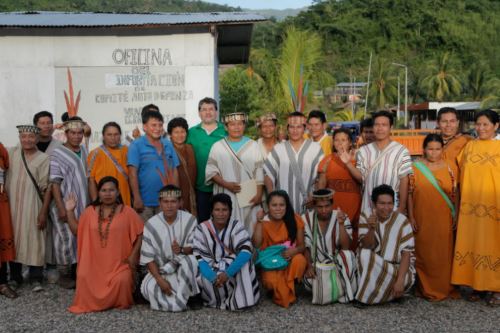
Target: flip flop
{"points": [[473, 297], [493, 299]]}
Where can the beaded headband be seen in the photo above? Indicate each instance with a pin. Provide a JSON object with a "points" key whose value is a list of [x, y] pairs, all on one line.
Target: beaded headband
{"points": [[170, 194], [323, 194], [235, 116], [28, 129], [266, 117], [73, 124], [296, 120]]}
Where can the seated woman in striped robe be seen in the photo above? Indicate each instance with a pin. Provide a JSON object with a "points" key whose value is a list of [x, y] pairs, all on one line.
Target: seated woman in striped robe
{"points": [[222, 246], [386, 261], [167, 249]]}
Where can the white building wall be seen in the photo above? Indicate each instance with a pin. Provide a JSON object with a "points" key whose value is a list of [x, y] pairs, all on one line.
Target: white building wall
{"points": [[33, 77]]}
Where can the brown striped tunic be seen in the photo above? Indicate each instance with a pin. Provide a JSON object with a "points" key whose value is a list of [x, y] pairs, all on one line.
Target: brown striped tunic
{"points": [[378, 268]]}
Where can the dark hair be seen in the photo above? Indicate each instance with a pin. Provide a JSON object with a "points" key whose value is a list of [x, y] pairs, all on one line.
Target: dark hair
{"points": [[149, 107], [433, 137], [488, 113], [111, 124], [296, 114], [344, 130], [383, 113], [104, 180], [207, 100], [381, 190], [65, 117], [365, 123], [317, 114], [224, 199], [322, 192], [42, 114], [151, 114], [447, 110], [177, 122], [169, 187], [289, 218]]}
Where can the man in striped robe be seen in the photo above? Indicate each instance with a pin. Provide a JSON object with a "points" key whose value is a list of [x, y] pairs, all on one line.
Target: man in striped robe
{"points": [[235, 164], [383, 162], [167, 247], [328, 235], [292, 165], [386, 261], [68, 174], [47, 144], [228, 280]]}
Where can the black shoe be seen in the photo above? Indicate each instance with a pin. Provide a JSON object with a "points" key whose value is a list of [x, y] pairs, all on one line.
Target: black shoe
{"points": [[359, 305], [195, 302]]}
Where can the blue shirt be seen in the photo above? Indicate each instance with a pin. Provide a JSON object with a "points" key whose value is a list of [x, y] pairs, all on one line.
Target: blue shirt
{"points": [[236, 146], [144, 156]]}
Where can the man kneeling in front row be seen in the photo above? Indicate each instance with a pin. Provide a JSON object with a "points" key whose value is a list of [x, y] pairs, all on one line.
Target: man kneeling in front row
{"points": [[167, 252], [386, 263]]}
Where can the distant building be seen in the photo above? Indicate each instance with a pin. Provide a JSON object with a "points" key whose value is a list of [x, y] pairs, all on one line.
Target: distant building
{"points": [[348, 91], [424, 115]]}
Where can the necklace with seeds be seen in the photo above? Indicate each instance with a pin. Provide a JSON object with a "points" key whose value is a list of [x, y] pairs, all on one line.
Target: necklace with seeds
{"points": [[104, 235]]}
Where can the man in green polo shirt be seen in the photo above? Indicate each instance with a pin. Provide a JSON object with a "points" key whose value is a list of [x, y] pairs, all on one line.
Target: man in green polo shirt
{"points": [[202, 137]]}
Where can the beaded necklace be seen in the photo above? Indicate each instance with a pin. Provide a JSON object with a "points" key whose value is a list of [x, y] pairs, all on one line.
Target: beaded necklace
{"points": [[104, 235]]}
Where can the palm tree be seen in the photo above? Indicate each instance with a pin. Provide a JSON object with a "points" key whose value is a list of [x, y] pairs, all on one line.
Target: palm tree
{"points": [[383, 89], [492, 96], [300, 49], [346, 115], [442, 82]]}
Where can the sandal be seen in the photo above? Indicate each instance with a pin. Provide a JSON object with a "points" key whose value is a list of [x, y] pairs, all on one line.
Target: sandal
{"points": [[7, 292], [493, 299], [472, 297]]}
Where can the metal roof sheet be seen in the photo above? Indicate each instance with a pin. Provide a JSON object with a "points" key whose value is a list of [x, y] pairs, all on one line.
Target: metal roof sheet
{"points": [[86, 19], [351, 84]]}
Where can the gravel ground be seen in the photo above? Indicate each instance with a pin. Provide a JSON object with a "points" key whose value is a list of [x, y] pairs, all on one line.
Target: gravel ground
{"points": [[46, 311]]}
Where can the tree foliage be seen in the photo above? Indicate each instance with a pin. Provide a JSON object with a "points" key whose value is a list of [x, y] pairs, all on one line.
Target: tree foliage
{"points": [[443, 82], [416, 33], [124, 6]]}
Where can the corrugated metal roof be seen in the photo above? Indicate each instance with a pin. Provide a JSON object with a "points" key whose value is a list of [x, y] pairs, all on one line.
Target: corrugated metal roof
{"points": [[73, 19], [351, 84]]}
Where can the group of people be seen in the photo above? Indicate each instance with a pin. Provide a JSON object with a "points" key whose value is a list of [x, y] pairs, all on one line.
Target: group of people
{"points": [[207, 214]]}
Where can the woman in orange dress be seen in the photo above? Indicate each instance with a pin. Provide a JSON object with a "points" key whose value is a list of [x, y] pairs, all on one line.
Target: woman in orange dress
{"points": [[432, 215], [110, 159], [7, 249], [109, 240], [334, 174], [282, 227], [178, 129]]}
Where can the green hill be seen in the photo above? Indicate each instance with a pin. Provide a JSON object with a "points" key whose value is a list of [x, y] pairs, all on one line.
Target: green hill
{"points": [[457, 41], [144, 6]]}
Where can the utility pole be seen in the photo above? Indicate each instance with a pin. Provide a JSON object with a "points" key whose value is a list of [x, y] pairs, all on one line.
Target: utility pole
{"points": [[406, 90], [368, 84], [399, 103]]}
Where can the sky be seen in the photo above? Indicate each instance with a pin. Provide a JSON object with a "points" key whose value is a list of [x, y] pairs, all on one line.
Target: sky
{"points": [[264, 4]]}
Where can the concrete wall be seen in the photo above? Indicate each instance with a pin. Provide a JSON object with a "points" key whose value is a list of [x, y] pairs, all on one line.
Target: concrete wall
{"points": [[115, 75]]}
